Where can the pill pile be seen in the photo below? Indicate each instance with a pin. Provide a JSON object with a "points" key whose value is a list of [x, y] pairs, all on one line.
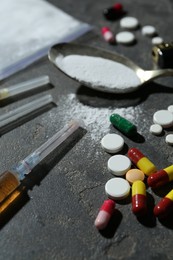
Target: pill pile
{"points": [[131, 174], [163, 119], [128, 23]]}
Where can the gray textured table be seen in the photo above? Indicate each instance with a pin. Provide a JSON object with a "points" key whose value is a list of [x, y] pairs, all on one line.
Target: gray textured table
{"points": [[55, 220]]}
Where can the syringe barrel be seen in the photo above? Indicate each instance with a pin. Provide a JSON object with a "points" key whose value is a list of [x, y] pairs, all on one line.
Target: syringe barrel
{"points": [[25, 166], [8, 183]]}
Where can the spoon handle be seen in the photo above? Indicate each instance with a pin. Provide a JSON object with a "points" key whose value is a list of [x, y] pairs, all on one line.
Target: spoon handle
{"points": [[153, 74]]}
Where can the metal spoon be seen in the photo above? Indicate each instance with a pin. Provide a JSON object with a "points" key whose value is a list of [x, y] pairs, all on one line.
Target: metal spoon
{"points": [[66, 49]]}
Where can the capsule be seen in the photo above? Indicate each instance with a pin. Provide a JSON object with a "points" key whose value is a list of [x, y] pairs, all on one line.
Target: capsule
{"points": [[114, 12], [161, 177], [104, 214], [122, 124], [165, 206], [108, 35], [139, 201], [142, 162]]}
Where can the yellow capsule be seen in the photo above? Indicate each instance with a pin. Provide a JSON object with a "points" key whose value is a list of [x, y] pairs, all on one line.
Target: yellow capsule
{"points": [[139, 205], [169, 171]]}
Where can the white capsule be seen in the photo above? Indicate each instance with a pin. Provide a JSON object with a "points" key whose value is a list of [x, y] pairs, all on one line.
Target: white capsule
{"points": [[163, 118], [156, 129], [169, 139], [117, 188], [129, 23], [125, 38], [112, 143], [156, 40], [148, 30], [119, 164], [170, 108]]}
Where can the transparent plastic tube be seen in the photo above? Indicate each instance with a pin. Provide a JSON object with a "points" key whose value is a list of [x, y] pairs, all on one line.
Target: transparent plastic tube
{"points": [[10, 180], [24, 110], [23, 87]]}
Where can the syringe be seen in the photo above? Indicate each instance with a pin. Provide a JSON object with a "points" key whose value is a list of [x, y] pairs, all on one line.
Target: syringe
{"points": [[23, 87], [10, 180]]}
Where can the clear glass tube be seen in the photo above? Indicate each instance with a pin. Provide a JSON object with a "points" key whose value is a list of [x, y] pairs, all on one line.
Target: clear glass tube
{"points": [[24, 87], [24, 110]]}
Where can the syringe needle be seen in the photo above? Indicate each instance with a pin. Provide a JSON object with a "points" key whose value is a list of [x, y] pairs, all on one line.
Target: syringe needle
{"points": [[23, 87], [10, 180]]}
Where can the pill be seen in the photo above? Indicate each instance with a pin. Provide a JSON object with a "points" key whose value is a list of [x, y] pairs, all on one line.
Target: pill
{"points": [[165, 206], [160, 177], [169, 139], [148, 30], [134, 175], [112, 143], [129, 23], [141, 161], [117, 188], [108, 35], [163, 118], [157, 40], [123, 125], [170, 108], [119, 164], [156, 129], [105, 214], [114, 12], [125, 38], [139, 201]]}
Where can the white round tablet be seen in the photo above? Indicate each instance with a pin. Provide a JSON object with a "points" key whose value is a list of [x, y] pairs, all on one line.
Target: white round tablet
{"points": [[170, 108], [112, 143], [156, 129], [125, 37], [129, 23], [156, 40], [117, 188], [148, 30], [163, 118], [169, 139], [119, 164]]}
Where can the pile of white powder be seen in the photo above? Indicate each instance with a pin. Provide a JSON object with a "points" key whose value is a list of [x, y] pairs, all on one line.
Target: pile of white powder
{"points": [[99, 73]]}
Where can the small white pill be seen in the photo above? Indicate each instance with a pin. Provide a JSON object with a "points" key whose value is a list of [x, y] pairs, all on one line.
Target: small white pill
{"points": [[119, 164], [117, 188], [148, 30], [170, 108], [169, 139], [156, 129], [125, 38], [156, 40], [163, 118], [112, 143], [129, 23]]}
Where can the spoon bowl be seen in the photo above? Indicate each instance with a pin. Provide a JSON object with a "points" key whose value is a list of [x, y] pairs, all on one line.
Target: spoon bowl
{"points": [[67, 49]]}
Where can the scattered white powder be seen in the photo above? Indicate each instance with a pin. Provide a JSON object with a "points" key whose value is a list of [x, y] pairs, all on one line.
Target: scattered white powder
{"points": [[96, 119], [99, 73]]}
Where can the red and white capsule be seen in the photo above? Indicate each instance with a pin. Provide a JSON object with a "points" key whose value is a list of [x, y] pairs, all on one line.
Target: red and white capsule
{"points": [[105, 214], [108, 35]]}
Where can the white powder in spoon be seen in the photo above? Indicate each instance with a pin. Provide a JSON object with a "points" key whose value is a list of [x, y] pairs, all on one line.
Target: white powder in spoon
{"points": [[99, 73]]}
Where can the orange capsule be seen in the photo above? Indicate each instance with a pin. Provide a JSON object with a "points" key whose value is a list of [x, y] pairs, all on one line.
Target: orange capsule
{"points": [[139, 201], [105, 214]]}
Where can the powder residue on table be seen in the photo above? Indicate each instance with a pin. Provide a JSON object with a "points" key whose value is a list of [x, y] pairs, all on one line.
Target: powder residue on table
{"points": [[98, 72]]}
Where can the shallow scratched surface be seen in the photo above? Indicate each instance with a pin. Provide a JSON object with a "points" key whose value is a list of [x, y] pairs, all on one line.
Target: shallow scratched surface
{"points": [[56, 221]]}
